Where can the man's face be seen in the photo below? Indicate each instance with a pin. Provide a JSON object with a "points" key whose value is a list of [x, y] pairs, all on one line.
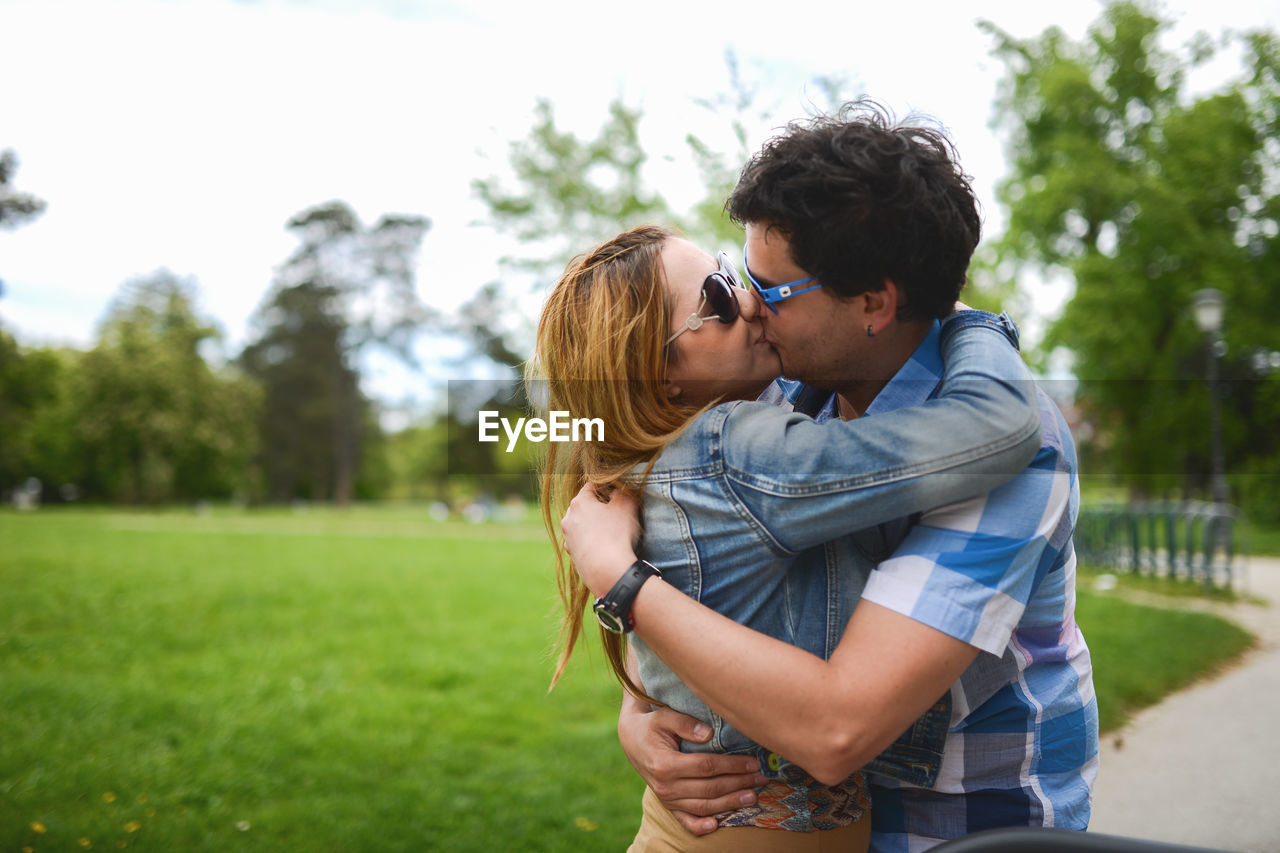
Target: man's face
{"points": [[815, 333]]}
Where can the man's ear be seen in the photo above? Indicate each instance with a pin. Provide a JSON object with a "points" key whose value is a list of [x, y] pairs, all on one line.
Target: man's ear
{"points": [[881, 306]]}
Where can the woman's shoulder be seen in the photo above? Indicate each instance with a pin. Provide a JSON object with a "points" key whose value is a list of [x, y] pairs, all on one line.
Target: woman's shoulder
{"points": [[696, 451]]}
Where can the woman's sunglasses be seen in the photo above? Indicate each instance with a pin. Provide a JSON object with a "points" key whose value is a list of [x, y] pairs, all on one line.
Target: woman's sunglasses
{"points": [[719, 290]]}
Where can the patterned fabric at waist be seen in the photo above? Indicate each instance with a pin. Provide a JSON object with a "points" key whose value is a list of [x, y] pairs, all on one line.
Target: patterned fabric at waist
{"points": [[799, 803]]}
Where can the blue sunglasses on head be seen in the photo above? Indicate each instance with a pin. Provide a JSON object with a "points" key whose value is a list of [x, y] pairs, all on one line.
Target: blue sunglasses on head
{"points": [[773, 295]]}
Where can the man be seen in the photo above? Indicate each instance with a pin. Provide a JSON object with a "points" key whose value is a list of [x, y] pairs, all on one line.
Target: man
{"points": [[859, 233]]}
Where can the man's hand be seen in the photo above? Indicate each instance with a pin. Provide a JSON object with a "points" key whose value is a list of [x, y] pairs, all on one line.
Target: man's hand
{"points": [[601, 537], [693, 786]]}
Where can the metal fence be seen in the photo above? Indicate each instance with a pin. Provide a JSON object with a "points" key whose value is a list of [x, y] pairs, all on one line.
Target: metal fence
{"points": [[1194, 540]]}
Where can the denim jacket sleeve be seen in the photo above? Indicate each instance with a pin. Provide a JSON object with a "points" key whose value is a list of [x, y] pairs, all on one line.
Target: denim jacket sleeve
{"points": [[803, 483]]}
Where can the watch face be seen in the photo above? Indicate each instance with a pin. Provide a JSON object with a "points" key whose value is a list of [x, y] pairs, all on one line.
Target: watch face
{"points": [[608, 620]]}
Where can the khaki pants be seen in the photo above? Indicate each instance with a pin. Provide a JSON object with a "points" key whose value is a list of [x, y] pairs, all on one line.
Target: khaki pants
{"points": [[660, 832]]}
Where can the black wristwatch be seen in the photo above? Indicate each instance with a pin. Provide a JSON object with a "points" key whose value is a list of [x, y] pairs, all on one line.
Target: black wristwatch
{"points": [[613, 609]]}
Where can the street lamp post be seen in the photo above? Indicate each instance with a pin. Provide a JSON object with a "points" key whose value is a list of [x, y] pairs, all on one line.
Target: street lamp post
{"points": [[1207, 306]]}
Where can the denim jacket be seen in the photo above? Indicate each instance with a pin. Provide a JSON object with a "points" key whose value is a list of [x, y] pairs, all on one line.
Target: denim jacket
{"points": [[747, 511]]}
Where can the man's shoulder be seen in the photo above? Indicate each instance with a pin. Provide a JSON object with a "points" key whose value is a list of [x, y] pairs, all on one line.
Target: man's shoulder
{"points": [[1056, 443]]}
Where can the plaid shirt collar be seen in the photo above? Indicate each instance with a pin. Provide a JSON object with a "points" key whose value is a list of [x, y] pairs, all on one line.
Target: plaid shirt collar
{"points": [[917, 380]]}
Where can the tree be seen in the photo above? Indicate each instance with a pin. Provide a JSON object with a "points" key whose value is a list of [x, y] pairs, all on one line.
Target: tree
{"points": [[369, 272], [313, 411], [418, 463], [27, 380], [1145, 193], [15, 208], [570, 192], [346, 289], [32, 436], [152, 421]]}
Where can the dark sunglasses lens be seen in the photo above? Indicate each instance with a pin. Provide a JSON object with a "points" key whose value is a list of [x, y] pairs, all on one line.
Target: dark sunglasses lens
{"points": [[721, 298]]}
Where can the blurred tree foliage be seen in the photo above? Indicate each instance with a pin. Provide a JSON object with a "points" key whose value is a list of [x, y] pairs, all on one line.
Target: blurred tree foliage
{"points": [[572, 192], [417, 463], [369, 272], [140, 418], [345, 289], [16, 208], [151, 421], [1145, 191], [313, 414], [33, 422]]}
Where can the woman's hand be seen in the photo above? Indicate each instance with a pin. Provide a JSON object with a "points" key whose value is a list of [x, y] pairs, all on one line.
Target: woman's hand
{"points": [[601, 537]]}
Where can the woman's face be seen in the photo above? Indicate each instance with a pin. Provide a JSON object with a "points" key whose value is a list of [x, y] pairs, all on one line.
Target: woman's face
{"points": [[728, 361]]}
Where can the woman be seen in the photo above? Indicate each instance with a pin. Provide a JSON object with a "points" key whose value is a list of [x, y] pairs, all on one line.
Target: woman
{"points": [[627, 336]]}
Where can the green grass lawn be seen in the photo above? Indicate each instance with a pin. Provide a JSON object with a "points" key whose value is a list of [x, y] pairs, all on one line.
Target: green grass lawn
{"points": [[360, 680], [1141, 654], [325, 682]]}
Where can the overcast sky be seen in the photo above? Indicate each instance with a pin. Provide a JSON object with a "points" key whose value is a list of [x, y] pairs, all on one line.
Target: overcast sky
{"points": [[184, 133]]}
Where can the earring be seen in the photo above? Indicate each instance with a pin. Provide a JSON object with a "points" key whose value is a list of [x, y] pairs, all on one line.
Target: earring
{"points": [[870, 332]]}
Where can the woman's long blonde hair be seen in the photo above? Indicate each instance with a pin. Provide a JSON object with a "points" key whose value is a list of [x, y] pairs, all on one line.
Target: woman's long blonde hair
{"points": [[601, 353]]}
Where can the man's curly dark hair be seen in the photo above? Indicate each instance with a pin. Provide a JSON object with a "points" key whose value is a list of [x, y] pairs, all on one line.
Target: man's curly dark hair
{"points": [[862, 199]]}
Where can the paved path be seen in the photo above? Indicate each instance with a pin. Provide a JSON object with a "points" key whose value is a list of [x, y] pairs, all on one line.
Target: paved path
{"points": [[1203, 767]]}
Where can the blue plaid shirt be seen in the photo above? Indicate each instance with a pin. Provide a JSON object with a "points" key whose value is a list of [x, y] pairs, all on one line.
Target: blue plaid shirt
{"points": [[998, 572]]}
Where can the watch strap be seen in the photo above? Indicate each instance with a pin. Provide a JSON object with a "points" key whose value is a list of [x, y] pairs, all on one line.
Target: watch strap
{"points": [[613, 609]]}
